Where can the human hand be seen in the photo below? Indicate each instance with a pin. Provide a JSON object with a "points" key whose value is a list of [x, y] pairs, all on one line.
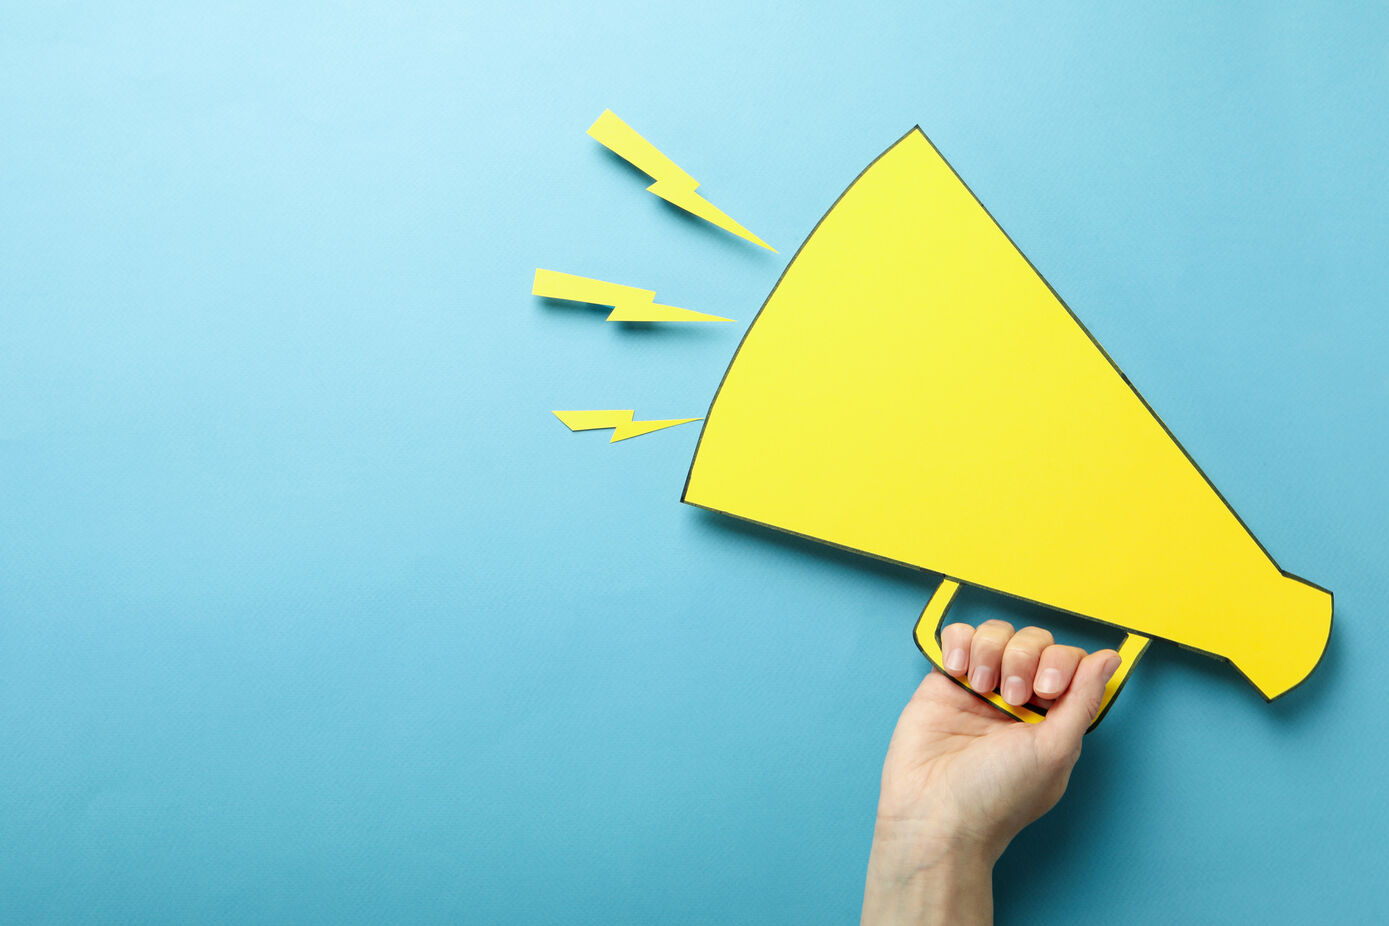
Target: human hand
{"points": [[961, 779]]}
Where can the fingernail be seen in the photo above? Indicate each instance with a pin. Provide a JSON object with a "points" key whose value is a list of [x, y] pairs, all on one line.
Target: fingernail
{"points": [[1110, 668], [957, 661], [982, 679], [1049, 682], [1014, 690]]}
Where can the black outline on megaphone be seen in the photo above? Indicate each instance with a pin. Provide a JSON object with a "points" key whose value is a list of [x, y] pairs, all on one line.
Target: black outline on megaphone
{"points": [[927, 630]]}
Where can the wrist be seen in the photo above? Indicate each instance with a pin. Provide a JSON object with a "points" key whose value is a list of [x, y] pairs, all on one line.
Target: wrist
{"points": [[914, 842], [927, 877]]}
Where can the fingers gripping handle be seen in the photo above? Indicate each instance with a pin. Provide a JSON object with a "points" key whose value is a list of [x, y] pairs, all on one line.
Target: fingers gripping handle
{"points": [[928, 640]]}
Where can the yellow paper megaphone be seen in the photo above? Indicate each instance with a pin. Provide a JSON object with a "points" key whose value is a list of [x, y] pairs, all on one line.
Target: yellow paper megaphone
{"points": [[914, 390]]}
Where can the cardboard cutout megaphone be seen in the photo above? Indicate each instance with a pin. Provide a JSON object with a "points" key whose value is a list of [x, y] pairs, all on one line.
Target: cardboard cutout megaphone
{"points": [[914, 390]]}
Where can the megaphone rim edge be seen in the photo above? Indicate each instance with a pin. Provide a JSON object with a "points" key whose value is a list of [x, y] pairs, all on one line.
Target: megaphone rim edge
{"points": [[684, 492]]}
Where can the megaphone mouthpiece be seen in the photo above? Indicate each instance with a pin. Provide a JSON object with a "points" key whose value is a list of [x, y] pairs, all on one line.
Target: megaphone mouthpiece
{"points": [[1280, 634]]}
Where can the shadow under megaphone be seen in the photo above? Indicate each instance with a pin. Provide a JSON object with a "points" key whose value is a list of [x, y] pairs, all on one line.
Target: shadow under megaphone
{"points": [[839, 557], [976, 605]]}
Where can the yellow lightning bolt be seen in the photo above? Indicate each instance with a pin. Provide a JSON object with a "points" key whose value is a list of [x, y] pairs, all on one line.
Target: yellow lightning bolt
{"points": [[620, 421], [629, 303], [672, 184]]}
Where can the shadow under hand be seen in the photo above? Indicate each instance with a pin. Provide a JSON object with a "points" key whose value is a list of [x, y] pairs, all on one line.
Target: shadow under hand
{"points": [[1049, 853]]}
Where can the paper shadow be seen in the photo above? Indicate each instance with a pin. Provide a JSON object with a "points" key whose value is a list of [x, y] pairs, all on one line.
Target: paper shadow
{"points": [[838, 557], [726, 241], [1311, 700], [1302, 705], [630, 169], [972, 605], [635, 329]]}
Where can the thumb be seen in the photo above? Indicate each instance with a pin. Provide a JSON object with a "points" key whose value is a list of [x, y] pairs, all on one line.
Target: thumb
{"points": [[1071, 716]]}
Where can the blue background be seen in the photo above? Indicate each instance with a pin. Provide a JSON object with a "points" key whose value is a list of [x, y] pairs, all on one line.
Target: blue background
{"points": [[311, 612]]}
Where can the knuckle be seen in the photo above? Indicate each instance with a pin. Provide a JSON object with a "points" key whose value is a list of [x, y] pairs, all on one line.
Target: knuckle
{"points": [[1019, 654], [990, 643], [996, 626], [1061, 654], [1092, 704], [993, 635], [1030, 641]]}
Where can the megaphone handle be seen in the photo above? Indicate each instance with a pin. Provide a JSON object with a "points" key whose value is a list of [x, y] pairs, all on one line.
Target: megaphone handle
{"points": [[928, 630]]}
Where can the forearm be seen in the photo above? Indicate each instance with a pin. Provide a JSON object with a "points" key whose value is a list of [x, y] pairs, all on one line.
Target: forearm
{"points": [[924, 880]]}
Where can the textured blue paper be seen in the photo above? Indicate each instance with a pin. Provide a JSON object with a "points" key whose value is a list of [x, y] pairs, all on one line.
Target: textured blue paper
{"points": [[311, 612]]}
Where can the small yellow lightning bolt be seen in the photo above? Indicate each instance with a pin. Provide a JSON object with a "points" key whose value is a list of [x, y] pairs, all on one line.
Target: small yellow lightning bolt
{"points": [[629, 303], [620, 421], [672, 184]]}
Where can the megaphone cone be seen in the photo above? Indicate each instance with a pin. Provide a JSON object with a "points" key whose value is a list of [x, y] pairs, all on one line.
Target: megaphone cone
{"points": [[914, 390]]}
